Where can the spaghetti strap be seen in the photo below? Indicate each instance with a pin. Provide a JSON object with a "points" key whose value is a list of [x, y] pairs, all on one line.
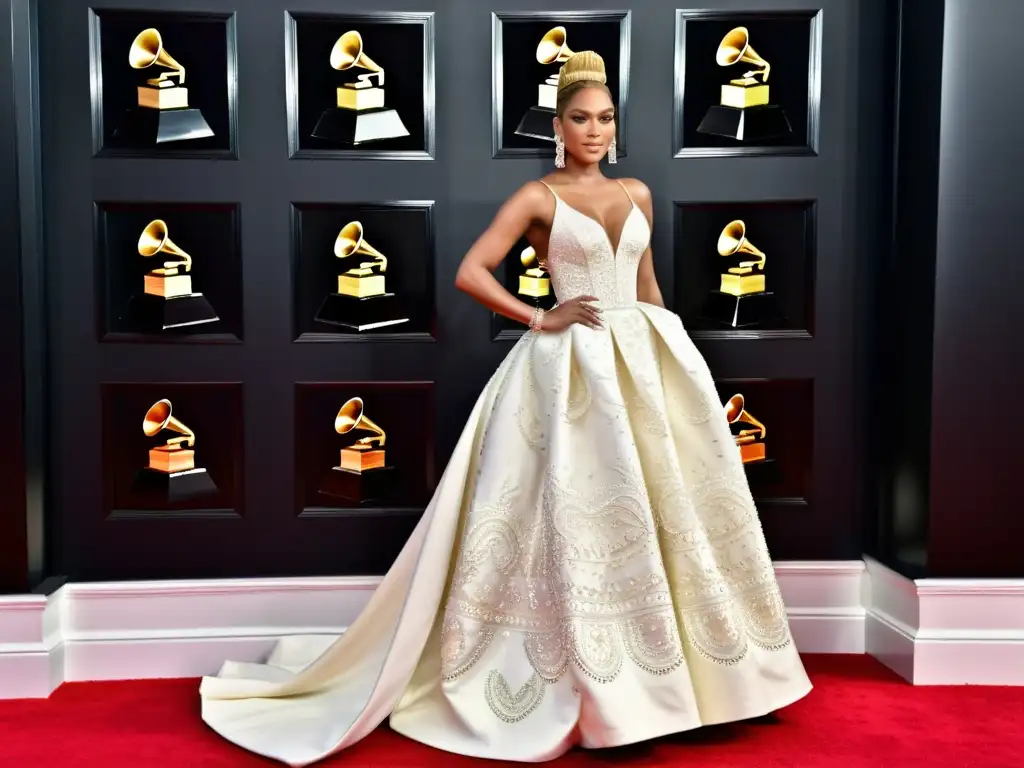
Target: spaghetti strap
{"points": [[619, 182], [552, 191]]}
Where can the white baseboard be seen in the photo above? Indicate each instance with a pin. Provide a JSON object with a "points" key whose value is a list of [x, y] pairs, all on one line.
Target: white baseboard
{"points": [[155, 629], [946, 631]]}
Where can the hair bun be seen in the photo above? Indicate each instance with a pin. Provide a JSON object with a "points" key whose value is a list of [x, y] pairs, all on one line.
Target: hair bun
{"points": [[585, 66]]}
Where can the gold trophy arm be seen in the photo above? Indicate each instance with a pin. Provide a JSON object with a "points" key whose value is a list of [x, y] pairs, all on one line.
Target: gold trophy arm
{"points": [[186, 262], [365, 80], [763, 72], [178, 73], [759, 428], [378, 433]]}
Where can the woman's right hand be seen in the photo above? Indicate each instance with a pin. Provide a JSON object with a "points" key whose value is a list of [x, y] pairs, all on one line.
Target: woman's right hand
{"points": [[577, 310]]}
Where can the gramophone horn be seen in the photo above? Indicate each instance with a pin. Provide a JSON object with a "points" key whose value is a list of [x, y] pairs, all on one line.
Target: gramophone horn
{"points": [[154, 240], [148, 49], [552, 47], [736, 412], [733, 240], [348, 53], [528, 256], [735, 46], [159, 418], [351, 417], [350, 241]]}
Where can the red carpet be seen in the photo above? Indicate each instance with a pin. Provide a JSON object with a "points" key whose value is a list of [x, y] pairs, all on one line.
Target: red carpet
{"points": [[858, 716]]}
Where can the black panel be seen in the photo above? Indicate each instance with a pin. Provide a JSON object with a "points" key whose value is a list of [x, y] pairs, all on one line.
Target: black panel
{"points": [[401, 44], [401, 232], [202, 43], [209, 233], [13, 531], [783, 231], [781, 59], [208, 484]]}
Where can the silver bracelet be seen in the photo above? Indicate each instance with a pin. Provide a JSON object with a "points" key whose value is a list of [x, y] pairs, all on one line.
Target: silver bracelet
{"points": [[537, 320]]}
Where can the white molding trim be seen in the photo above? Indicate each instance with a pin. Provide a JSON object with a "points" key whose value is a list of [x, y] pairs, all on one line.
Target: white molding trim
{"points": [[946, 631], [157, 629]]}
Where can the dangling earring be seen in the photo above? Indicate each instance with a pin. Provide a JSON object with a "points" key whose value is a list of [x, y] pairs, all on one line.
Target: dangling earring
{"points": [[612, 158], [559, 152]]}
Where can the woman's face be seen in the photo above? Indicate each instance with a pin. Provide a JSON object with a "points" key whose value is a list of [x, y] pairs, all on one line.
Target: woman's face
{"points": [[588, 125]]}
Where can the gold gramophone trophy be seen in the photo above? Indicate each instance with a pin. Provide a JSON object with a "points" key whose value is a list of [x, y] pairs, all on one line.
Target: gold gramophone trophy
{"points": [[741, 299], [362, 301], [744, 113], [534, 283], [362, 475], [163, 113], [167, 300], [537, 122], [750, 441], [172, 474], [360, 115]]}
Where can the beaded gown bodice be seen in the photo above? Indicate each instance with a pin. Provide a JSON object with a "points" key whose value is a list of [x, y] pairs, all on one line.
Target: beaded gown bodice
{"points": [[582, 260]]}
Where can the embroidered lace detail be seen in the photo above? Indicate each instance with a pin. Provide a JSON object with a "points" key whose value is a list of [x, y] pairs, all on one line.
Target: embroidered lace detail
{"points": [[512, 707]]}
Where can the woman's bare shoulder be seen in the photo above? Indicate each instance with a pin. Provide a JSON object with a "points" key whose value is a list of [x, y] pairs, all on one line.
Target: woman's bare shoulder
{"points": [[637, 190]]}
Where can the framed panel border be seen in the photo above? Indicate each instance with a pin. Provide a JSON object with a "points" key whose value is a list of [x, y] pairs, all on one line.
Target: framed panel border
{"points": [[747, 334], [120, 514], [295, 237], [103, 336], [497, 75], [684, 15], [795, 503], [423, 18], [96, 90], [431, 479]]}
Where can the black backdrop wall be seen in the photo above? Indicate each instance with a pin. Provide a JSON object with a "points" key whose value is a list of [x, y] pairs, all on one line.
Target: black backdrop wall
{"points": [[950, 319], [812, 373]]}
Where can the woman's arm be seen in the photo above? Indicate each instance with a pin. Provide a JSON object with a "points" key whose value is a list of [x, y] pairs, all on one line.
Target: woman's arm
{"points": [[530, 203], [647, 289]]}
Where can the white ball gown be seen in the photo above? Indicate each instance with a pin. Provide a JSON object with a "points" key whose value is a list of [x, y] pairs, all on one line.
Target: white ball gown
{"points": [[591, 569]]}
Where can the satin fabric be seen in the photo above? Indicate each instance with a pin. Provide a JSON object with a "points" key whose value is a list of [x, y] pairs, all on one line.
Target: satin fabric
{"points": [[591, 569]]}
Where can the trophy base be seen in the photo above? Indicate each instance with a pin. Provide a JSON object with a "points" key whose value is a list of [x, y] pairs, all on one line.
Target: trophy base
{"points": [[172, 487], [358, 487], [148, 313], [742, 311], [355, 127], [545, 302], [160, 126], [751, 124], [762, 473], [361, 314], [536, 124]]}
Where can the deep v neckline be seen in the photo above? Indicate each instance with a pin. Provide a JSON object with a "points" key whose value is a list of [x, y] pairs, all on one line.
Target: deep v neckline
{"points": [[608, 239]]}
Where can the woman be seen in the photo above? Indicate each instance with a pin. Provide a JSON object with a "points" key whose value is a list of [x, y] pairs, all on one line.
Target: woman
{"points": [[591, 569]]}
